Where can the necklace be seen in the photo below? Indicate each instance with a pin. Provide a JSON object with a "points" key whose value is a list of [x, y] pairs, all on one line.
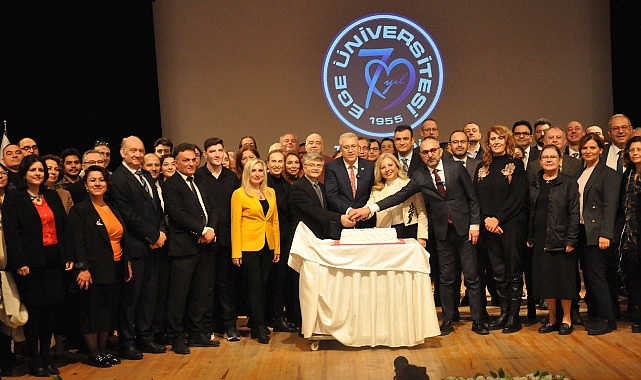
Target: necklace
{"points": [[37, 198], [259, 194]]}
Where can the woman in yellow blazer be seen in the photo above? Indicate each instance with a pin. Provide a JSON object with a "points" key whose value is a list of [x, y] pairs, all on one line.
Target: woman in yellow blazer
{"points": [[255, 239]]}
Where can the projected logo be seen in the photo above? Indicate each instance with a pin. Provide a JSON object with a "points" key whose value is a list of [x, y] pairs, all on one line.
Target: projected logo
{"points": [[381, 71]]}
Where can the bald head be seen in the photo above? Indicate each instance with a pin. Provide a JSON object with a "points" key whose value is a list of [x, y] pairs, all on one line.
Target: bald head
{"points": [[314, 143], [132, 151]]}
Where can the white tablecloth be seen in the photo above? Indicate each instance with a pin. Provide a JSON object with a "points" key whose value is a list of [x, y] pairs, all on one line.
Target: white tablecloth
{"points": [[364, 295]]}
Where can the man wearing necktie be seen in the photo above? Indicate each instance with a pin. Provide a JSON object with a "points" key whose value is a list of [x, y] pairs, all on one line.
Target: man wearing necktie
{"points": [[348, 181], [620, 131], [139, 204], [455, 210], [574, 132], [192, 221], [404, 144]]}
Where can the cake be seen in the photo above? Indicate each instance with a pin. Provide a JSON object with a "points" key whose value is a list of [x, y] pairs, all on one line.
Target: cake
{"points": [[368, 236]]}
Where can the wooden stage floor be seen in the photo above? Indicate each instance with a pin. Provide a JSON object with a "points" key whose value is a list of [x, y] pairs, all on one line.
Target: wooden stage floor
{"points": [[613, 356]]}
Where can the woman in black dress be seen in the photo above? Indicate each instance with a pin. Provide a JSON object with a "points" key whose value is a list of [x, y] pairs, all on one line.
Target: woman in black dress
{"points": [[34, 221], [98, 233], [553, 235], [502, 186]]}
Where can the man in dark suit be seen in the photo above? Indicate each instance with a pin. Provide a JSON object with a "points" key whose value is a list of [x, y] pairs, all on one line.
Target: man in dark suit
{"points": [[192, 223], [620, 131], [475, 149], [522, 132], [348, 181], [455, 210], [309, 205], [139, 204], [459, 146], [404, 143], [218, 183], [90, 157], [570, 166]]}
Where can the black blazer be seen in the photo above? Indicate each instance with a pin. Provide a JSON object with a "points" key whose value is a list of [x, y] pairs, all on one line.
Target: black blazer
{"points": [[186, 218], [23, 229], [305, 207], [570, 166], [91, 242], [415, 163], [142, 214], [600, 203], [219, 191], [461, 201]]}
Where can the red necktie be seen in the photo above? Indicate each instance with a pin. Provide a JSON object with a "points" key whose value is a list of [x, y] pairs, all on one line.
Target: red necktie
{"points": [[352, 180], [441, 189]]}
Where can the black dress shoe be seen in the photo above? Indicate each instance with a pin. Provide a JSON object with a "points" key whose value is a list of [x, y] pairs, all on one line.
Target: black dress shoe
{"points": [[446, 327], [130, 353], [232, 334], [113, 359], [565, 329], [279, 325], [260, 333], [52, 369], [152, 348], [601, 327], [99, 361], [39, 372], [548, 328], [180, 347], [480, 328], [203, 342], [576, 317]]}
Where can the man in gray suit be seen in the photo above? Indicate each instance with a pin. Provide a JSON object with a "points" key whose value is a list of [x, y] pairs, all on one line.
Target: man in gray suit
{"points": [[459, 146], [454, 206]]}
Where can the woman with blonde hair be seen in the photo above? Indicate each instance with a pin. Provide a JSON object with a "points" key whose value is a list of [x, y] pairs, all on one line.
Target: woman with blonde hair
{"points": [[408, 218], [502, 187], [255, 238]]}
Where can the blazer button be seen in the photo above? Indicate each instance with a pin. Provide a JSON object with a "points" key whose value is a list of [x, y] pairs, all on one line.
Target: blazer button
{"points": [[593, 207], [593, 221]]}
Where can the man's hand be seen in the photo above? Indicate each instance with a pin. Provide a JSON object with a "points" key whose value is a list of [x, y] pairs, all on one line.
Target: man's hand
{"points": [[208, 237], [604, 243], [358, 214], [474, 236], [161, 240], [422, 242], [347, 222]]}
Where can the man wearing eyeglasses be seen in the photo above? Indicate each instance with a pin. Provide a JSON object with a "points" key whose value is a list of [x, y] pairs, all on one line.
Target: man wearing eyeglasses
{"points": [[620, 131], [522, 131], [348, 181], [89, 158], [455, 210], [29, 146]]}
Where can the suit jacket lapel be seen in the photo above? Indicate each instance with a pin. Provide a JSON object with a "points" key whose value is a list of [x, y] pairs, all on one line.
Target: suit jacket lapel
{"points": [[138, 185], [94, 217]]}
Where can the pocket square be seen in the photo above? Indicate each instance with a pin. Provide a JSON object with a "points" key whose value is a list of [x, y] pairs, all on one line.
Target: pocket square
{"points": [[99, 223]]}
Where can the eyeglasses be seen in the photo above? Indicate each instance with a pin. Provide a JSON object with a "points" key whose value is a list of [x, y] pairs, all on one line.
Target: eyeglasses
{"points": [[620, 128], [100, 143], [94, 162], [312, 166], [350, 147], [521, 134], [361, 148], [29, 147], [4, 173], [428, 151]]}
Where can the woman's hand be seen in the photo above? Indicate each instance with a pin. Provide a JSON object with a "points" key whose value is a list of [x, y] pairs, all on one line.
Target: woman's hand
{"points": [[69, 265], [84, 279], [276, 258], [23, 271], [130, 272], [604, 243], [237, 262], [569, 248], [422, 242], [492, 225]]}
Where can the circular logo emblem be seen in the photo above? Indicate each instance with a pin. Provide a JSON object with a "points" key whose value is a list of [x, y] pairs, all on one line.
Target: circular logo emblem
{"points": [[381, 71]]}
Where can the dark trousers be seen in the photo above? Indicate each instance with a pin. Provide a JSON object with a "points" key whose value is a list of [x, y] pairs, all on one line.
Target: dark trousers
{"points": [[505, 253], [139, 301], [256, 269], [594, 262], [38, 331], [454, 252], [159, 321], [228, 289], [189, 299]]}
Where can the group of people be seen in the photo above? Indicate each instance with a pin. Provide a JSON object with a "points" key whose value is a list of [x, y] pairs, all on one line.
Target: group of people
{"points": [[165, 250]]}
